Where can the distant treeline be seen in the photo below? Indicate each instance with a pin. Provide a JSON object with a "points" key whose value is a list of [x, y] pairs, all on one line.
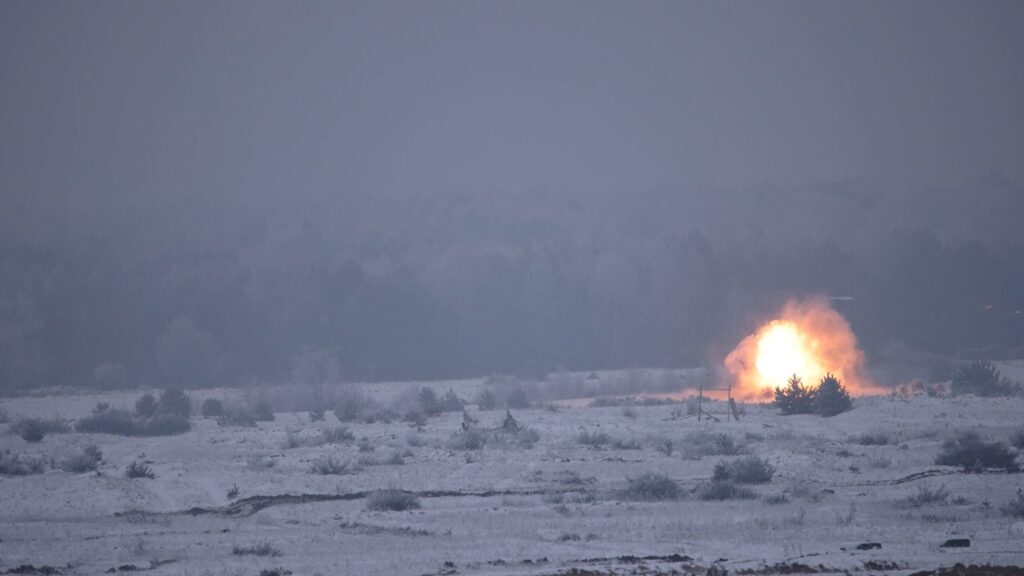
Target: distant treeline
{"points": [[475, 292]]}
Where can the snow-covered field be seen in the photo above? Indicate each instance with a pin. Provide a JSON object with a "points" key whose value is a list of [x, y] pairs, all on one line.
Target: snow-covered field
{"points": [[506, 509]]}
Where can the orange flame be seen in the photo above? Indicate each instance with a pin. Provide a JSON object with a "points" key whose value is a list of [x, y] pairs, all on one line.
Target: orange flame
{"points": [[808, 339]]}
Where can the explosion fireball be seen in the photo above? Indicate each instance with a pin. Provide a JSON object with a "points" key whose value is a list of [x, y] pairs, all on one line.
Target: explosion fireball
{"points": [[808, 339]]}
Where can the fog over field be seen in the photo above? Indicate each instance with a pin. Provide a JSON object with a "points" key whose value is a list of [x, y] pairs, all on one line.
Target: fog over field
{"points": [[230, 229]]}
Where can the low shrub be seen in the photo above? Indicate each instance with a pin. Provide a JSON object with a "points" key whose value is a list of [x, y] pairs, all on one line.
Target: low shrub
{"points": [[110, 421], [15, 465], [748, 470], [350, 405], [972, 453], [237, 415], [212, 408], [262, 411], [174, 401], [700, 444], [471, 439], [451, 402], [338, 435], [724, 490], [626, 444], [392, 500], [121, 423], [486, 400], [260, 549], [34, 429], [145, 406], [981, 379], [1015, 508], [871, 439], [428, 401], [925, 496], [138, 469], [650, 486], [518, 400], [329, 465], [593, 438], [85, 461]]}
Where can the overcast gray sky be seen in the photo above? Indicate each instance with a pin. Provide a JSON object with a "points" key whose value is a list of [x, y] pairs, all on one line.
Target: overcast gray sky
{"points": [[163, 99]]}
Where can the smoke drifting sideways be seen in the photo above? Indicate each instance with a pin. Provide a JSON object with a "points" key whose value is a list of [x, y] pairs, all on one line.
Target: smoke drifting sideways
{"points": [[807, 338]]}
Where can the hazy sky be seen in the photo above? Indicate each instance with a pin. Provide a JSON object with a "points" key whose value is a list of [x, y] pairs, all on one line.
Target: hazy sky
{"points": [[164, 99]]}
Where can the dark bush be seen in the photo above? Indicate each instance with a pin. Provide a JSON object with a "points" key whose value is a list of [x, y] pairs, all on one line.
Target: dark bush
{"points": [[451, 402], [650, 487], [329, 465], [138, 469], [593, 438], [1017, 439], [486, 400], [237, 416], [392, 500], [981, 379], [338, 435], [351, 405], [871, 439], [518, 400], [174, 401], [795, 398], [30, 430], [261, 549], [165, 425], [1015, 508], [145, 406], [832, 397], [85, 461], [972, 453], [428, 401], [471, 439], [34, 429], [212, 408], [109, 421], [724, 490], [263, 412], [748, 470], [14, 465]]}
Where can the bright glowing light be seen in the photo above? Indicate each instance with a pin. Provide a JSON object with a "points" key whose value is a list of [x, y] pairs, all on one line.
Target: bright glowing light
{"points": [[809, 339], [783, 351]]}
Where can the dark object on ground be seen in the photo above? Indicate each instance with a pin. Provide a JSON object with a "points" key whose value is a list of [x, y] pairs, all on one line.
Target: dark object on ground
{"points": [[212, 408], [973, 570], [869, 546], [956, 543], [972, 453]]}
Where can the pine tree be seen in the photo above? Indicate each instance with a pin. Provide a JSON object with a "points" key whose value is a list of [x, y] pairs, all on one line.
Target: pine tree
{"points": [[795, 398], [832, 397]]}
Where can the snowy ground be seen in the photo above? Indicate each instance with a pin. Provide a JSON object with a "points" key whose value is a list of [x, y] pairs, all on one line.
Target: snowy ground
{"points": [[509, 510]]}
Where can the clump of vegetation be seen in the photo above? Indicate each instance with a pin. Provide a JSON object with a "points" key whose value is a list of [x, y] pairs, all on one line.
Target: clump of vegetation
{"points": [[832, 397], [795, 398], [317, 414], [982, 379], [871, 439], [15, 465], [260, 549], [970, 451], [138, 469], [164, 417], [1017, 439], [926, 495], [664, 446], [351, 405], [829, 398], [650, 487], [700, 444], [233, 492], [1015, 508], [748, 470], [236, 415], [517, 400], [338, 435], [471, 439], [260, 463], [262, 411], [486, 400], [330, 466], [630, 444], [593, 438], [451, 402], [87, 460], [392, 500], [35, 429], [724, 490], [212, 408]]}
